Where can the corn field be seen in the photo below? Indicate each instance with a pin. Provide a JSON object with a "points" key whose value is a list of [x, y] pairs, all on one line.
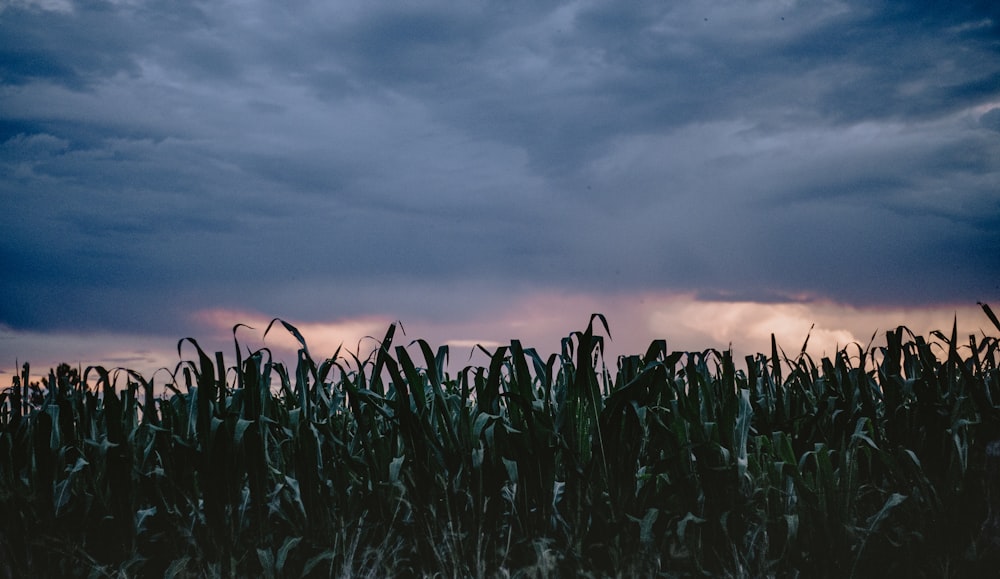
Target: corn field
{"points": [[662, 464]]}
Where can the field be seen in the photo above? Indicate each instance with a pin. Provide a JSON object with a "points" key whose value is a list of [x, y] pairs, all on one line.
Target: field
{"points": [[875, 462]]}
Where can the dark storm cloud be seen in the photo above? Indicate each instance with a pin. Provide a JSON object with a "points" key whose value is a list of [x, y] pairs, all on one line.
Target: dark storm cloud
{"points": [[159, 159], [991, 120], [73, 50]]}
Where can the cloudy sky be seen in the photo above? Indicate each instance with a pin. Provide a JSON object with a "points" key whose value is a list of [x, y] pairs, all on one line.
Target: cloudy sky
{"points": [[705, 172]]}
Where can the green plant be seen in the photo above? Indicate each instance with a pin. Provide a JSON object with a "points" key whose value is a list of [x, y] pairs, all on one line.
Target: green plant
{"points": [[669, 464]]}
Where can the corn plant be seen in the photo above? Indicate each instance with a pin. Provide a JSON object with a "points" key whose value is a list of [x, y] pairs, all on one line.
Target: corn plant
{"points": [[664, 463]]}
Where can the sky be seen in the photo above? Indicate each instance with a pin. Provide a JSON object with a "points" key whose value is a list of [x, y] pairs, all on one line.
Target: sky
{"points": [[708, 173]]}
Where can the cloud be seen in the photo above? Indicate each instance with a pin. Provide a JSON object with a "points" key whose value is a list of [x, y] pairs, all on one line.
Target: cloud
{"points": [[446, 163], [46, 350], [991, 119]]}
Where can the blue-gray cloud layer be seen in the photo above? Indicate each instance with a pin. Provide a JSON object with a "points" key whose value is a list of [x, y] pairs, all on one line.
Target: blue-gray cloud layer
{"points": [[338, 158]]}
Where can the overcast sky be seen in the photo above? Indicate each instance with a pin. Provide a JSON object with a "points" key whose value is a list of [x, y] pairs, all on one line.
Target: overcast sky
{"points": [[481, 168]]}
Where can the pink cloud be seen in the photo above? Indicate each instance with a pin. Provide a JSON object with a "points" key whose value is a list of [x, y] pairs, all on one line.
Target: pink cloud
{"points": [[539, 320]]}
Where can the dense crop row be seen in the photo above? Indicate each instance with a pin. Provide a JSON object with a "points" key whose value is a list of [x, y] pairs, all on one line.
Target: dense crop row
{"points": [[679, 464]]}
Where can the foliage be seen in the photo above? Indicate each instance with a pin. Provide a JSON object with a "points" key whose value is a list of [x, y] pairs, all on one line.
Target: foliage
{"points": [[670, 464]]}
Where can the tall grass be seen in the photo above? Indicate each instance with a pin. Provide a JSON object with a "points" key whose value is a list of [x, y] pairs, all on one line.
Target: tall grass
{"points": [[670, 464]]}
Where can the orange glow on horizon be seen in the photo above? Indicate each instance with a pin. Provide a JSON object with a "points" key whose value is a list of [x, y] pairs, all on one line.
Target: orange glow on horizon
{"points": [[539, 321]]}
